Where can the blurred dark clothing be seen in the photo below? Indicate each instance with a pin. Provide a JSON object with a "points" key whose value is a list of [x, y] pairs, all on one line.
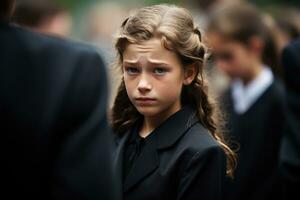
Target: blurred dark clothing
{"points": [[257, 133], [55, 140], [291, 62], [180, 160], [290, 151]]}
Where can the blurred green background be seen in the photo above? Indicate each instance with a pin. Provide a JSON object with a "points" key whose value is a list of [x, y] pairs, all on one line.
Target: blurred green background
{"points": [[72, 4]]}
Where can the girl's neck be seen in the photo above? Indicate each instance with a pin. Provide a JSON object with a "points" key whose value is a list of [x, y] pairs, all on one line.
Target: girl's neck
{"points": [[252, 74], [152, 122]]}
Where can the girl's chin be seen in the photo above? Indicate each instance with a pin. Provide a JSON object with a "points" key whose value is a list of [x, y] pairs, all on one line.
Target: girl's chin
{"points": [[148, 111]]}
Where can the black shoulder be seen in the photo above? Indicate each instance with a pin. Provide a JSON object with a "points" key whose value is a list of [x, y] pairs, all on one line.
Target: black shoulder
{"points": [[291, 63], [42, 44], [276, 91], [198, 150], [198, 140], [294, 46], [199, 134]]}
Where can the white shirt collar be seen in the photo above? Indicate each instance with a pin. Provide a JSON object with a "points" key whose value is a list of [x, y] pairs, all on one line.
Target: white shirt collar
{"points": [[245, 96]]}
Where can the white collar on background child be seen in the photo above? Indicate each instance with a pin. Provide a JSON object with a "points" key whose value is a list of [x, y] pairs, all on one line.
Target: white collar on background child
{"points": [[245, 96]]}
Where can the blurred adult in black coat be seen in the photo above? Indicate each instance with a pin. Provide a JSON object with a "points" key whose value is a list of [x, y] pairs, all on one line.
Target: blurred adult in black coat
{"points": [[290, 151], [55, 141]]}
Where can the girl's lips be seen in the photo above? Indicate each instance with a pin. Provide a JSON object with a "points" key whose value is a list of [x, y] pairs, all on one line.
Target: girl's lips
{"points": [[145, 101]]}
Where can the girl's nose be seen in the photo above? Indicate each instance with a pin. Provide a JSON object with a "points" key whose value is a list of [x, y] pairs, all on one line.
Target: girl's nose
{"points": [[144, 85]]}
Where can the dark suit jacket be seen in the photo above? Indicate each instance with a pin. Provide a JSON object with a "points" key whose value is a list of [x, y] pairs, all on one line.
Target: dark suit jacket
{"points": [[184, 163], [54, 132], [290, 150]]}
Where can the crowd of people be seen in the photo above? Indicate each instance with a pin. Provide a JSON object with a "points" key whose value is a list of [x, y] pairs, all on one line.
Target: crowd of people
{"points": [[205, 103]]}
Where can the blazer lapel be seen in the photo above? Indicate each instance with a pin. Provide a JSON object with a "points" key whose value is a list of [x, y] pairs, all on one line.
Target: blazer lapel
{"points": [[176, 126], [146, 163]]}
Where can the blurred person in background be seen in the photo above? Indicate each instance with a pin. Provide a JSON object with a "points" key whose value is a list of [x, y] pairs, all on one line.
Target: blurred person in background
{"points": [[207, 6], [44, 16], [201, 10], [288, 24], [244, 49], [55, 139], [290, 150]]}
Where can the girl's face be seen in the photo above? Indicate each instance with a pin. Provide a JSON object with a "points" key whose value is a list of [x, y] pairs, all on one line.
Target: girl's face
{"points": [[233, 58], [153, 78]]}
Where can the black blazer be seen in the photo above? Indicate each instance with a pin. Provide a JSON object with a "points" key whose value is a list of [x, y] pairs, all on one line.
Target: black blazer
{"points": [[290, 150], [184, 163], [54, 132]]}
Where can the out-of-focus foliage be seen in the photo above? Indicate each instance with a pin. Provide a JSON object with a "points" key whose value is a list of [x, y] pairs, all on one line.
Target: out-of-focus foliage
{"points": [[71, 4], [75, 4]]}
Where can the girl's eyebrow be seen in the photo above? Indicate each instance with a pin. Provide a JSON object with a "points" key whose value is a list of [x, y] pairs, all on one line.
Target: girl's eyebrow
{"points": [[159, 63], [130, 62], [151, 62]]}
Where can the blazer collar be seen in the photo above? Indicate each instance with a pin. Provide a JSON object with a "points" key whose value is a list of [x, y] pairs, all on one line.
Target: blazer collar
{"points": [[176, 126]]}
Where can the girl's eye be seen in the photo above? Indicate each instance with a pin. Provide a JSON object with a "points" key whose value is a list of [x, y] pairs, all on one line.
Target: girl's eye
{"points": [[132, 70], [160, 71]]}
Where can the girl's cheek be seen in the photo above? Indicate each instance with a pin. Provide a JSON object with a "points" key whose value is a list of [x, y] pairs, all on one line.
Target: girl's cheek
{"points": [[129, 87]]}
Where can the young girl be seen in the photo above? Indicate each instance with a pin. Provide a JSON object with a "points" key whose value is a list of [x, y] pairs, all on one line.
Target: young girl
{"points": [[244, 50], [169, 145]]}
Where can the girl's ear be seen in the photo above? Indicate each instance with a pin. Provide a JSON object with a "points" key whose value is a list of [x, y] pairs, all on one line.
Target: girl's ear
{"points": [[189, 74]]}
